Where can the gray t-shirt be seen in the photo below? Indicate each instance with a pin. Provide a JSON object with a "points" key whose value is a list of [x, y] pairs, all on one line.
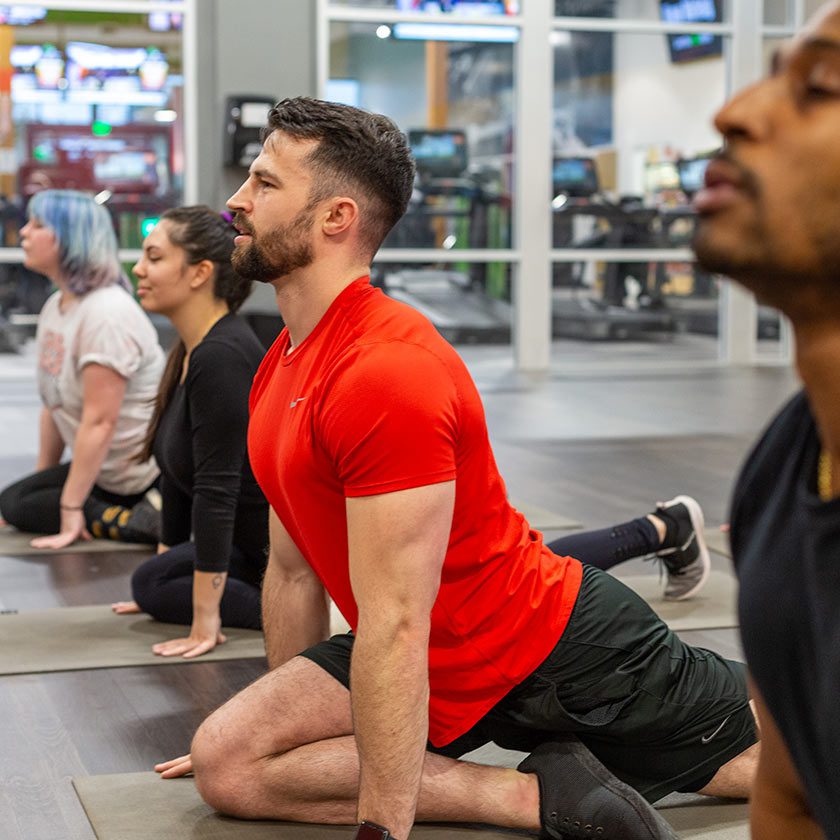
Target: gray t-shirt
{"points": [[105, 327]]}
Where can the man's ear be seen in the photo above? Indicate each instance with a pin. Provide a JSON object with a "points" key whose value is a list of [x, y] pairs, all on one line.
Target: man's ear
{"points": [[341, 215], [202, 273]]}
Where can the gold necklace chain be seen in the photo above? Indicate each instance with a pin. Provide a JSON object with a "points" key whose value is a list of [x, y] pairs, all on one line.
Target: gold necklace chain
{"points": [[824, 485]]}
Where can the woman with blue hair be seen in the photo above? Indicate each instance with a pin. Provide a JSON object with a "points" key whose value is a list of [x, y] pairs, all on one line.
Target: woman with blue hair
{"points": [[99, 363]]}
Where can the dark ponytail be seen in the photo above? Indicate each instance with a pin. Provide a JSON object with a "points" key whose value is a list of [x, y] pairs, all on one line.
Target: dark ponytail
{"points": [[203, 234]]}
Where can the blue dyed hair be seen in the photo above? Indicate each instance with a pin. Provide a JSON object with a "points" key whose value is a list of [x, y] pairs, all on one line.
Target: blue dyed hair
{"points": [[87, 245]]}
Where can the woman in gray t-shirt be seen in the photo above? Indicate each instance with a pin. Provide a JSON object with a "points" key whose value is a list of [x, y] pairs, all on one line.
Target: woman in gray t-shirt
{"points": [[99, 364]]}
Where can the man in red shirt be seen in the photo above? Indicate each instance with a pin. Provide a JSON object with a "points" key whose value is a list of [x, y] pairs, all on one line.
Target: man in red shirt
{"points": [[369, 440]]}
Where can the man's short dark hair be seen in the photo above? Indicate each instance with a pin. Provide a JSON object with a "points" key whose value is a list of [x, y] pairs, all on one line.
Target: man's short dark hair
{"points": [[360, 153]]}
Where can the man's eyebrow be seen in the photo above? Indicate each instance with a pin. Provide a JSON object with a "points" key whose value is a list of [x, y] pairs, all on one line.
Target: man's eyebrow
{"points": [[819, 45], [793, 52], [260, 172]]}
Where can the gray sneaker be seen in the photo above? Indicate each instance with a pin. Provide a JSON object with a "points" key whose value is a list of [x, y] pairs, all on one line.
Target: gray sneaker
{"points": [[685, 555]]}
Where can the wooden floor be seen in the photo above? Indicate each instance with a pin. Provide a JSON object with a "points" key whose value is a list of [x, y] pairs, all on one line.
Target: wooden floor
{"points": [[600, 448]]}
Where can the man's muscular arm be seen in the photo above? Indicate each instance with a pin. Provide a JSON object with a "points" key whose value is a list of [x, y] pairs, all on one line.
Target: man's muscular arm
{"points": [[397, 544], [295, 609], [778, 807]]}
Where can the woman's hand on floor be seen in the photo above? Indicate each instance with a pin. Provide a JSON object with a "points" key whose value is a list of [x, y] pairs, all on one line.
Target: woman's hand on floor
{"points": [[205, 634], [73, 528], [126, 607], [176, 767]]}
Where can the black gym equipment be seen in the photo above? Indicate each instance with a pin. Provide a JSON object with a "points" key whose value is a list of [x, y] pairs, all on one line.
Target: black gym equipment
{"points": [[618, 314], [448, 199], [698, 313]]}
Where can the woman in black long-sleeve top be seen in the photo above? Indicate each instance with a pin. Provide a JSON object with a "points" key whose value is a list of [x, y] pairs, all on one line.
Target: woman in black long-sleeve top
{"points": [[210, 563]]}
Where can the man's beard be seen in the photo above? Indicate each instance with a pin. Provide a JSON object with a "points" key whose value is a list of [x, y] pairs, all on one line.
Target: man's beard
{"points": [[286, 249]]}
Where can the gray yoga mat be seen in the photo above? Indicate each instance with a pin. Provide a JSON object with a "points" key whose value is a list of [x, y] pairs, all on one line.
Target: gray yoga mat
{"points": [[718, 541], [701, 818], [544, 520], [15, 543], [716, 605], [77, 638], [141, 806]]}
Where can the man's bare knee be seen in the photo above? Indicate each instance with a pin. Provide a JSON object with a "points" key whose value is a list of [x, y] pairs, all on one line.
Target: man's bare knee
{"points": [[234, 751], [735, 779], [220, 768]]}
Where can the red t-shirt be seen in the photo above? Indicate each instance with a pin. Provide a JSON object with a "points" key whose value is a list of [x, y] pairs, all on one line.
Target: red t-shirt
{"points": [[375, 401]]}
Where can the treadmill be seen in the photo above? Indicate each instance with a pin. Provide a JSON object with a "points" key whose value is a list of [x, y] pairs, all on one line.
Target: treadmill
{"points": [[446, 198], [575, 313]]}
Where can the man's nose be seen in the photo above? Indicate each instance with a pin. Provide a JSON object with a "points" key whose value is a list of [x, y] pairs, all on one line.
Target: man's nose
{"points": [[749, 114]]}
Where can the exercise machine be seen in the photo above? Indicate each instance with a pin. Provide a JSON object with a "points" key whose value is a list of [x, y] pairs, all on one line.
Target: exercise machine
{"points": [[451, 208], [585, 218]]}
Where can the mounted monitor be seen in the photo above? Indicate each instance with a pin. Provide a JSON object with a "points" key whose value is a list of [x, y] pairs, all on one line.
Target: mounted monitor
{"points": [[574, 176], [246, 116], [686, 46], [439, 153], [692, 172]]}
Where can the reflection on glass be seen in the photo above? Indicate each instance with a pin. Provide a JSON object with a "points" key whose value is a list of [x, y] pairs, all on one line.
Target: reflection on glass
{"points": [[96, 103], [454, 99], [635, 301], [641, 301], [468, 303], [675, 11], [632, 135]]}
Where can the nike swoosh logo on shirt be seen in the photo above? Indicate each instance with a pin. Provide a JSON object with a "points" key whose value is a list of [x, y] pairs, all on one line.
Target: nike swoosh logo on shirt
{"points": [[706, 738], [293, 403]]}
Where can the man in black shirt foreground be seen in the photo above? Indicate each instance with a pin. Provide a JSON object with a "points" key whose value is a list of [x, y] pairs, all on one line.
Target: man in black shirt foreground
{"points": [[770, 218]]}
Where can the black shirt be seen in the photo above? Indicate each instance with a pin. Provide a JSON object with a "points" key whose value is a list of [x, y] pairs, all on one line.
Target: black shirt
{"points": [[786, 547], [207, 485]]}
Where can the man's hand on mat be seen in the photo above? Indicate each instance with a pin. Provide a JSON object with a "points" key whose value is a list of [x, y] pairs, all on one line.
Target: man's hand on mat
{"points": [[175, 768], [205, 634], [126, 607], [72, 528]]}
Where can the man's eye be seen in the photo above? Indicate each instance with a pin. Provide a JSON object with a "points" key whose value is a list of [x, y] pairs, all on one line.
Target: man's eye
{"points": [[822, 80]]}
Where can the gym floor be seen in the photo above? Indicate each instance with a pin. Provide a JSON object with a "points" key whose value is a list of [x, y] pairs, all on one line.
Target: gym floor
{"points": [[600, 443]]}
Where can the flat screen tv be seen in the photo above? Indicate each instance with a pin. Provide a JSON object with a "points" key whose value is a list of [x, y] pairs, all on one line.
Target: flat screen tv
{"points": [[686, 46], [574, 176], [692, 172], [439, 153]]}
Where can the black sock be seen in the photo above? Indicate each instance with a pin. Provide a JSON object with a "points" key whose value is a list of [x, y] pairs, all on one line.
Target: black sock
{"points": [[140, 524]]}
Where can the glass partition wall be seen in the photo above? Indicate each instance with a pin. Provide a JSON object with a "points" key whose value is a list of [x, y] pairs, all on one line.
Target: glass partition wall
{"points": [[96, 97], [559, 143], [444, 72]]}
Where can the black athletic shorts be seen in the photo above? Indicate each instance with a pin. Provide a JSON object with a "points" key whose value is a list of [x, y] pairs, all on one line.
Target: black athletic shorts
{"points": [[661, 715]]}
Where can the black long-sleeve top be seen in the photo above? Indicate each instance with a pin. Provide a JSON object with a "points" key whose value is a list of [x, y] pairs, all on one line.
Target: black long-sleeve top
{"points": [[207, 485]]}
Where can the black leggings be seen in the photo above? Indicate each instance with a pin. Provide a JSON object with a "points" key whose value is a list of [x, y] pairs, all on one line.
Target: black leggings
{"points": [[163, 587], [610, 546], [33, 503]]}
